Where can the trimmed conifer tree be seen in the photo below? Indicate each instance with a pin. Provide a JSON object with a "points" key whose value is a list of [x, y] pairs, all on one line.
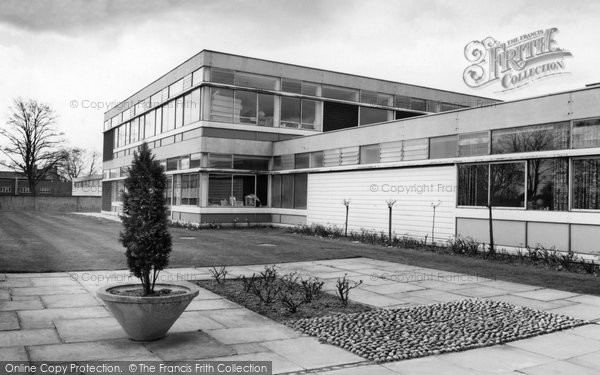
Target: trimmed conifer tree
{"points": [[145, 232]]}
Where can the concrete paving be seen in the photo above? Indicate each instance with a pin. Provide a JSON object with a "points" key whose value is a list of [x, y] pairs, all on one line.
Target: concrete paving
{"points": [[56, 316]]}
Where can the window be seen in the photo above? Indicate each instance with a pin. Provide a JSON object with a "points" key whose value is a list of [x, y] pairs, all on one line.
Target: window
{"points": [[245, 107], [311, 114], [135, 126], [177, 190], [586, 133], [189, 189], [473, 144], [179, 109], [220, 161], [158, 125], [169, 191], [172, 164], [184, 162], [302, 161], [547, 184], [277, 163], [168, 112], [369, 154], [24, 190], [586, 184], [256, 163], [473, 184], [237, 190], [531, 138], [339, 93], [176, 88], [117, 191], [255, 81], [310, 89], [372, 97], [507, 184], [401, 101], [266, 109], [150, 123], [316, 159], [196, 160], [287, 191], [372, 115], [291, 85], [418, 104], [219, 75], [290, 112], [276, 190], [221, 105], [443, 147], [5, 189], [300, 189]]}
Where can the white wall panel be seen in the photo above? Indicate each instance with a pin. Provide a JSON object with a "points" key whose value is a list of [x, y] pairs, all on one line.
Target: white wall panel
{"points": [[415, 189]]}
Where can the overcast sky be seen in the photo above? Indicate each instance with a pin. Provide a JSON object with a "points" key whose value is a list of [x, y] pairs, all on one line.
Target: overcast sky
{"points": [[105, 50]]}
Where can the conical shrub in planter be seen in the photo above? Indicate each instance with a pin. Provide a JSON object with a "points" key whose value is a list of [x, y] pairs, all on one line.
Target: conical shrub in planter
{"points": [[147, 310]]}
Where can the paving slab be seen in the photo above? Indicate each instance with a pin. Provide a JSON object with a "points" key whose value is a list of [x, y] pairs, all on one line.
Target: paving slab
{"points": [[510, 286], [559, 345], [253, 334], [212, 304], [9, 321], [15, 283], [496, 359], [238, 318], [195, 321], [44, 318], [440, 285], [188, 346], [54, 281], [309, 353], [4, 295], [33, 303], [391, 288], [480, 291], [69, 300], [27, 337], [13, 353], [92, 351], [46, 290], [427, 366], [434, 295], [360, 370], [591, 331], [532, 303], [374, 299], [279, 363], [590, 360], [587, 299], [546, 294], [89, 329], [37, 274], [246, 348], [558, 367], [580, 311]]}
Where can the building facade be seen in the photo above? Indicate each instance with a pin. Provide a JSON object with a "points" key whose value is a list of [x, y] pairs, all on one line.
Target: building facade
{"points": [[248, 140], [88, 186], [16, 184]]}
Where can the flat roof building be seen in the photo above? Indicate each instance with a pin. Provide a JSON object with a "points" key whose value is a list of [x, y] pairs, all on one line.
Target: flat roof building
{"points": [[251, 140]]}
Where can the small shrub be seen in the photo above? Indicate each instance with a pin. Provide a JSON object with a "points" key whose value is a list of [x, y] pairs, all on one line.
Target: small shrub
{"points": [[343, 288], [463, 246], [292, 300], [219, 274], [311, 288], [248, 282], [267, 287], [588, 267], [534, 254], [567, 259]]}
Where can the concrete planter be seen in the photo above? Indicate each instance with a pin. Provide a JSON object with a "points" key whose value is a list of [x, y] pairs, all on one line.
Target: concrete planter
{"points": [[148, 318]]}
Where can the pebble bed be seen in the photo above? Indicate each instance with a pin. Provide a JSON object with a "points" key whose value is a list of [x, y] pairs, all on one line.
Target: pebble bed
{"points": [[386, 335]]}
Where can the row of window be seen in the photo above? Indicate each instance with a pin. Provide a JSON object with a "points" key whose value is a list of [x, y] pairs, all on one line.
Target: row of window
{"points": [[24, 190], [255, 81], [89, 183], [555, 136], [536, 184]]}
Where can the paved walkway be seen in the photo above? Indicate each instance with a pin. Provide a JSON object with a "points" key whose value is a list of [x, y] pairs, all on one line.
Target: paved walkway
{"points": [[56, 316]]}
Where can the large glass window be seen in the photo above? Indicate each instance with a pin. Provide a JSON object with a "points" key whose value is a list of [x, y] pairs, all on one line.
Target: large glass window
{"points": [[443, 147], [586, 133], [177, 190], [266, 109], [235, 190], [316, 159], [531, 138], [149, 128], [586, 184], [473, 184], [369, 154], [245, 107], [287, 191], [172, 164], [547, 184], [127, 127], [255, 81], [276, 190], [339, 93], [302, 160], [473, 144], [372, 115], [256, 163], [196, 160], [300, 190], [169, 190], [290, 112], [310, 114], [507, 184], [221, 105], [135, 127], [220, 161], [310, 89], [189, 189], [168, 112], [158, 125], [179, 109], [195, 106]]}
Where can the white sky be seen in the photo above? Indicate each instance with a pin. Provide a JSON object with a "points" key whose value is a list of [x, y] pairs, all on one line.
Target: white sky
{"points": [[105, 50]]}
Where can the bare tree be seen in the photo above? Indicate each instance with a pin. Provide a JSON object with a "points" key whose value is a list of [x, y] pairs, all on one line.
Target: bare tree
{"points": [[93, 162], [73, 164], [32, 140]]}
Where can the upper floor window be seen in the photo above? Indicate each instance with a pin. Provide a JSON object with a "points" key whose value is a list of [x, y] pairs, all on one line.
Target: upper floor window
{"points": [[531, 138], [341, 93], [586, 133]]}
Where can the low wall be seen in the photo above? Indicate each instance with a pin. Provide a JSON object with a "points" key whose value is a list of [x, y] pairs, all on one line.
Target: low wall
{"points": [[62, 204]]}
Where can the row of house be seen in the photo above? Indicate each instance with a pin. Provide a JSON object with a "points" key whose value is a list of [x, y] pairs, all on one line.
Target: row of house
{"points": [[244, 139], [16, 184]]}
